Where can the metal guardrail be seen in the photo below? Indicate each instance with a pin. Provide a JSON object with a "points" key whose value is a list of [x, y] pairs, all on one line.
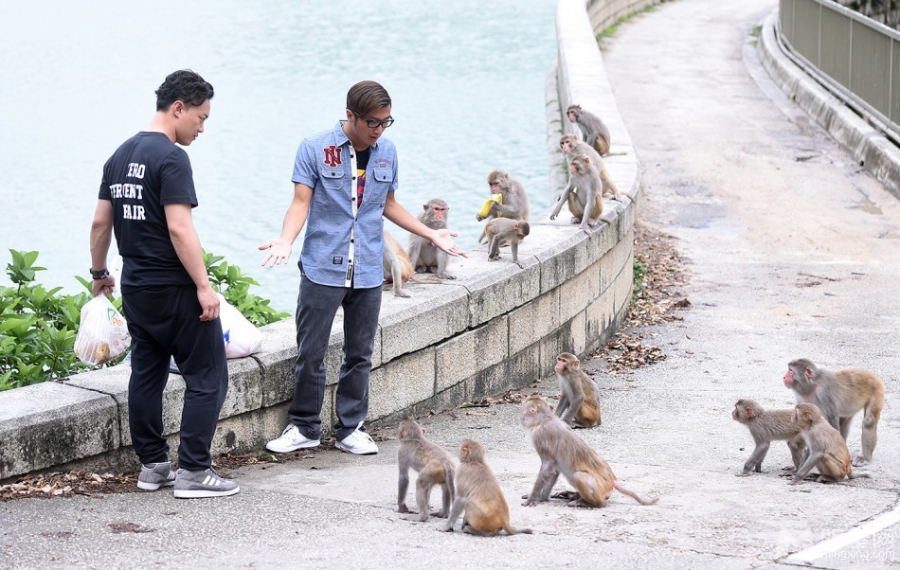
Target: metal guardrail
{"points": [[856, 58]]}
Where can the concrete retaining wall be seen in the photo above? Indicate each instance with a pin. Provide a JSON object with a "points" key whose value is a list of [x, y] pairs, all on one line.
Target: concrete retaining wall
{"points": [[494, 328], [866, 144]]}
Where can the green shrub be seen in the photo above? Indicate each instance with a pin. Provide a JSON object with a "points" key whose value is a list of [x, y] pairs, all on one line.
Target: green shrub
{"points": [[38, 326]]}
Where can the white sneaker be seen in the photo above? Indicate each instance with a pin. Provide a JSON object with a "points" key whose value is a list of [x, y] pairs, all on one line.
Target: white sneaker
{"points": [[358, 443], [291, 440]]}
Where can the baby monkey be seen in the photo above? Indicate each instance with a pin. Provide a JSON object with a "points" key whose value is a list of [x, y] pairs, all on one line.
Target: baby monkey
{"points": [[504, 231], [827, 449], [479, 494], [766, 426]]}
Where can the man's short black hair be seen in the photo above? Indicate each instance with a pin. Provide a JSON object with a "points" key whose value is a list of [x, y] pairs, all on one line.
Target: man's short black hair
{"points": [[185, 86]]}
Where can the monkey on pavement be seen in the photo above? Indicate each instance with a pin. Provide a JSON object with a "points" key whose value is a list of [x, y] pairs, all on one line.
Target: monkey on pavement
{"points": [[562, 451], [571, 147], [840, 395], [595, 131], [584, 188], [478, 494], [433, 463], [515, 201], [580, 394], [422, 253], [503, 231], [827, 449], [766, 426]]}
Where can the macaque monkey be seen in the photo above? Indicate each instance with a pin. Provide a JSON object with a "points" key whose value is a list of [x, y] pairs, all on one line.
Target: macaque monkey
{"points": [[840, 395], [595, 131], [561, 451], [766, 426], [478, 494], [397, 267], [503, 231], [424, 255], [827, 449], [584, 188], [579, 404], [515, 200], [433, 463], [572, 147]]}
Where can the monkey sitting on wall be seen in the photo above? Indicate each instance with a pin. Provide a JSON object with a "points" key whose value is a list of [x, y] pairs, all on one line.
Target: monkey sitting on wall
{"points": [[423, 255], [583, 194], [514, 204]]}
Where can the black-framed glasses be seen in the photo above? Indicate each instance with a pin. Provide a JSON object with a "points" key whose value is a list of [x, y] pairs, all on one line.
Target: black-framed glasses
{"points": [[374, 123]]}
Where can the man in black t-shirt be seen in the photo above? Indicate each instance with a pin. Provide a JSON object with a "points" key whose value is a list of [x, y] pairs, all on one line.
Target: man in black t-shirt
{"points": [[146, 198]]}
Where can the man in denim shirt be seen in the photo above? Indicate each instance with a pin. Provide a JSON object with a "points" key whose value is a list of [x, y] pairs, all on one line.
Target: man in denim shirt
{"points": [[344, 182]]}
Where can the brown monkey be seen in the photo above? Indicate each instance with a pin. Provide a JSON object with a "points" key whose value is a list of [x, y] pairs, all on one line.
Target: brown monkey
{"points": [[595, 131], [580, 394], [561, 451], [397, 267], [433, 463], [479, 494], [503, 231], [515, 201], [766, 426], [827, 449], [840, 395], [584, 188], [571, 147], [423, 255]]}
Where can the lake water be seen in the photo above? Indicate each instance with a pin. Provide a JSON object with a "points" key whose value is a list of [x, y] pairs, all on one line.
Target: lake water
{"points": [[77, 78]]}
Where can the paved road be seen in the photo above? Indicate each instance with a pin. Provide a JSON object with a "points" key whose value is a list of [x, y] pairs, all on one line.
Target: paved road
{"points": [[791, 253]]}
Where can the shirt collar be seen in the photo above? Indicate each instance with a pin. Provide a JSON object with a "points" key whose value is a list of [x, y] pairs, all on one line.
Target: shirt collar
{"points": [[340, 137]]}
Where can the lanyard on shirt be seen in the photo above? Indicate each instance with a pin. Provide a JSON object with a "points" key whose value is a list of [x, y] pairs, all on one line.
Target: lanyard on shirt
{"points": [[348, 281]]}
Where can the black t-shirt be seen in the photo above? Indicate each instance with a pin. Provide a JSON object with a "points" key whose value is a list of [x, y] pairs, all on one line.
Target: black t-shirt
{"points": [[144, 174]]}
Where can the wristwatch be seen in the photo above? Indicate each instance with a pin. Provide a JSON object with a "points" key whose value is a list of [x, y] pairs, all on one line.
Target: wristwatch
{"points": [[102, 274]]}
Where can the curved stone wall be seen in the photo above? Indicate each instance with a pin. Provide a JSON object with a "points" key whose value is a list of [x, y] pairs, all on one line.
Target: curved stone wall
{"points": [[494, 328]]}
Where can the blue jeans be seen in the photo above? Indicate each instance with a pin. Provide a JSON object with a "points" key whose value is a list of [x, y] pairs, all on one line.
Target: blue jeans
{"points": [[316, 307]]}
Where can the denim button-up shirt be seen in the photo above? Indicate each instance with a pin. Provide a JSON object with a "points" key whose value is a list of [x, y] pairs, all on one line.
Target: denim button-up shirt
{"points": [[326, 163]]}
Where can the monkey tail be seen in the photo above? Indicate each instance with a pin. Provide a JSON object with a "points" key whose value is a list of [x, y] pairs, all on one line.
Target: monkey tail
{"points": [[634, 495], [510, 530], [449, 475], [415, 279]]}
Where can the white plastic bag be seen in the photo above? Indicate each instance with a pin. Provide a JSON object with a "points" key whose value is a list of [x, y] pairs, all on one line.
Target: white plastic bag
{"points": [[102, 334], [241, 337]]}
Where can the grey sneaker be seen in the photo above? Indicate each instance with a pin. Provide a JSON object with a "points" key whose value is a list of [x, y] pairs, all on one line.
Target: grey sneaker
{"points": [[156, 475], [291, 440], [202, 484], [358, 443]]}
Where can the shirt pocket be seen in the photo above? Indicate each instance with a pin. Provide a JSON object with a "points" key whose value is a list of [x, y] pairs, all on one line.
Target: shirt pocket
{"points": [[332, 178], [381, 182]]}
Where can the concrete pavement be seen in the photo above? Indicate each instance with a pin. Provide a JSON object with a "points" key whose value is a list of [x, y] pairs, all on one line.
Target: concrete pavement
{"points": [[791, 253]]}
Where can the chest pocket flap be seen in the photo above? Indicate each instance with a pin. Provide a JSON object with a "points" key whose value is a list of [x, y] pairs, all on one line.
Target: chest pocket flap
{"points": [[383, 174]]}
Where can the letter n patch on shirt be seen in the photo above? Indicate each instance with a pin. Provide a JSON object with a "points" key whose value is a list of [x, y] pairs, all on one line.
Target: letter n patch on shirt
{"points": [[332, 155]]}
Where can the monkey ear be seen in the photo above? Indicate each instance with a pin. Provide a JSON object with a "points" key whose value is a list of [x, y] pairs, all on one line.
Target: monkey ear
{"points": [[809, 373], [425, 207], [749, 411], [576, 365]]}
